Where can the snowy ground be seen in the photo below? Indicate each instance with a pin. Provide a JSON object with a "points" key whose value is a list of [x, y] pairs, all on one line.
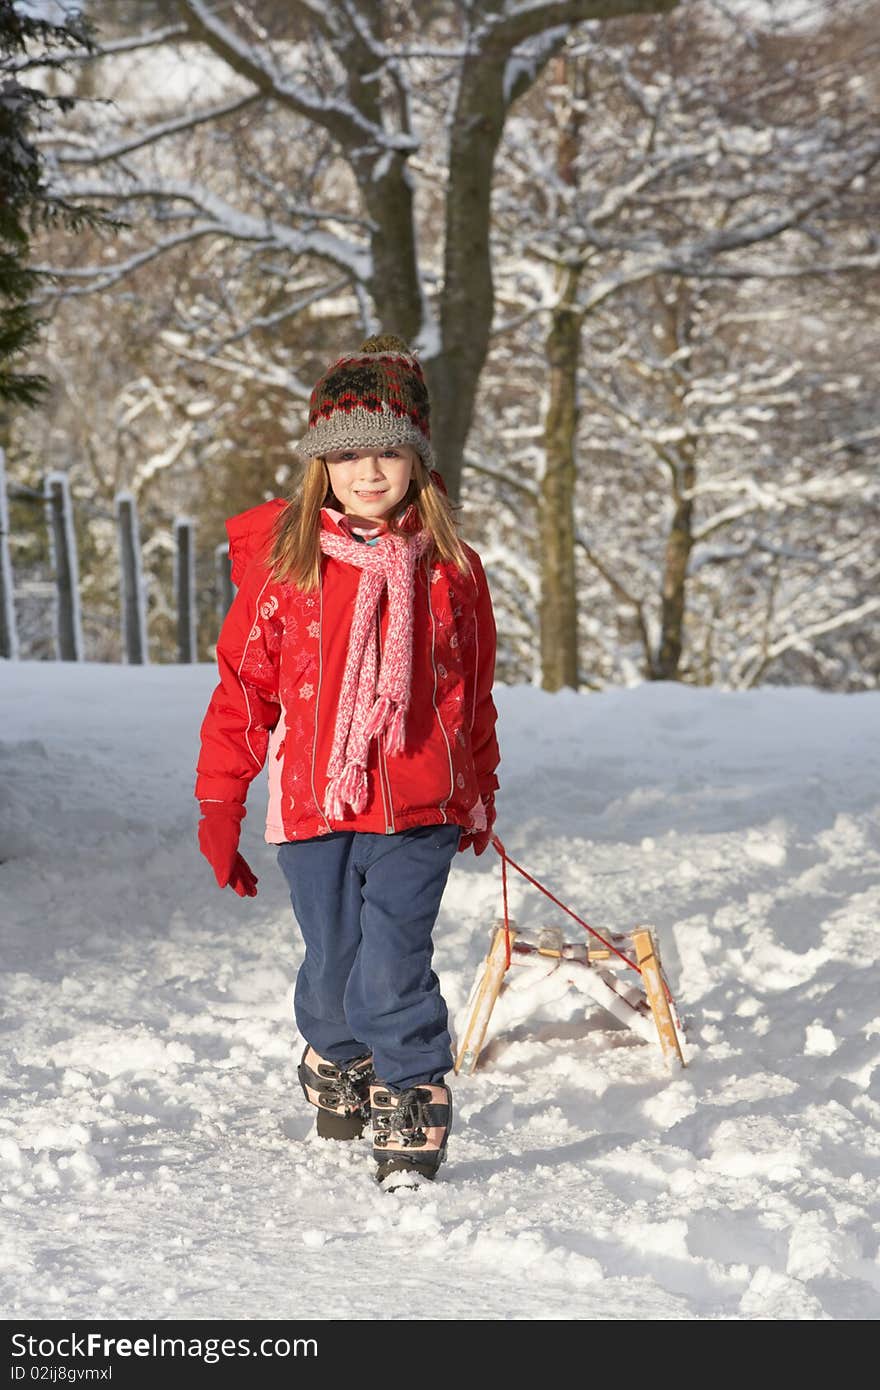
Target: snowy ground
{"points": [[156, 1155]]}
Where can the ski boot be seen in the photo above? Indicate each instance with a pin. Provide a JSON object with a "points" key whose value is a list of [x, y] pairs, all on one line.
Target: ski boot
{"points": [[342, 1094], [410, 1129]]}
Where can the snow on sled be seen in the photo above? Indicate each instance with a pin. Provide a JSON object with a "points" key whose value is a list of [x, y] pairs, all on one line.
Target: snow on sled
{"points": [[623, 974]]}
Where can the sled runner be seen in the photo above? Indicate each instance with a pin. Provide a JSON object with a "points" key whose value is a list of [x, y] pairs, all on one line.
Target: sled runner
{"points": [[622, 973]]}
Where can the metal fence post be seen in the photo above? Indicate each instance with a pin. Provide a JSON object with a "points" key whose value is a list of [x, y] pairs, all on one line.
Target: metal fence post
{"points": [[185, 587], [133, 597], [62, 544]]}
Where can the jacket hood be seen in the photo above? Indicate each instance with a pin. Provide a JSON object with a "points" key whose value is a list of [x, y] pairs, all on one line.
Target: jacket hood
{"points": [[250, 532]]}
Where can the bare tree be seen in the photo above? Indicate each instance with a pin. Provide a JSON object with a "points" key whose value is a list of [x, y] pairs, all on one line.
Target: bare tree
{"points": [[721, 165], [355, 87]]}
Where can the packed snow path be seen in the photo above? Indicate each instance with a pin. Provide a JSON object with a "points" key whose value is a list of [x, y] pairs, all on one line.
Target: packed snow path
{"points": [[158, 1159]]}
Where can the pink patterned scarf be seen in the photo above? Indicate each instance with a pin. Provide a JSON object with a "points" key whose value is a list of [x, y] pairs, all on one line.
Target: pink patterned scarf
{"points": [[367, 707]]}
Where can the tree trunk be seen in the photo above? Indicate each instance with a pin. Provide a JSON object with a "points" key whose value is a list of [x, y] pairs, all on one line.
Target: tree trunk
{"points": [[675, 333], [679, 544], [556, 529]]}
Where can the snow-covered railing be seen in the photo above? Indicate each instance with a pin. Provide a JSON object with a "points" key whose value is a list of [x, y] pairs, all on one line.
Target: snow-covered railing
{"points": [[54, 498]]}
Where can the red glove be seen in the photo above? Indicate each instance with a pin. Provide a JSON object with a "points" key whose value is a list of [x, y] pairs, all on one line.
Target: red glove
{"points": [[480, 837], [219, 832]]}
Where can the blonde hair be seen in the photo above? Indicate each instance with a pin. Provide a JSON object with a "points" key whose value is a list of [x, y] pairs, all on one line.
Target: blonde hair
{"points": [[295, 554]]}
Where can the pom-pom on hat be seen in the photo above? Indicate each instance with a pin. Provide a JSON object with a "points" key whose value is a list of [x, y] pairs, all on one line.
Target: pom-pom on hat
{"points": [[376, 395]]}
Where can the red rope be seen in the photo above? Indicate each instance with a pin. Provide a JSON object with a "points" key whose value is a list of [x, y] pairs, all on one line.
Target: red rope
{"points": [[505, 860], [506, 915]]}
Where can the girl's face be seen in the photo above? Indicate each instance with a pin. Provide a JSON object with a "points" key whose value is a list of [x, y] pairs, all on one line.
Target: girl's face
{"points": [[369, 483]]}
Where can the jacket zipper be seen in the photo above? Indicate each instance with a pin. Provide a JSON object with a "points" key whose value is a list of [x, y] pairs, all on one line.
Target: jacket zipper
{"points": [[434, 694], [386, 805], [318, 698]]}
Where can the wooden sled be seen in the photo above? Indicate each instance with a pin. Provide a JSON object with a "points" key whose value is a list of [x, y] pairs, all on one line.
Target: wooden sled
{"points": [[640, 1000]]}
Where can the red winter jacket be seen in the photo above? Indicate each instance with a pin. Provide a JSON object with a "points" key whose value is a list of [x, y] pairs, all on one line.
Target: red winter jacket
{"points": [[281, 654]]}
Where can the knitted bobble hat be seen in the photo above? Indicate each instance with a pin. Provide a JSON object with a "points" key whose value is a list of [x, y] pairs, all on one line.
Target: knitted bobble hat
{"points": [[374, 396]]}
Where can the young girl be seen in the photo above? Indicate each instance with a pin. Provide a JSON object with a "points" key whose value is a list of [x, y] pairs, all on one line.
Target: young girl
{"points": [[358, 656]]}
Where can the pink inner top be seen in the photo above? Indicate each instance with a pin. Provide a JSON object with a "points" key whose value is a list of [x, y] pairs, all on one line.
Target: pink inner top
{"points": [[345, 522]]}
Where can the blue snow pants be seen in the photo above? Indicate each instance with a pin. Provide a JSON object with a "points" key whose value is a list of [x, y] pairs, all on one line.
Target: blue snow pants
{"points": [[366, 905]]}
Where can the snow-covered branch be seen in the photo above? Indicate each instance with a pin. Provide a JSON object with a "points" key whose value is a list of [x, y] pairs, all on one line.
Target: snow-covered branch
{"points": [[102, 277], [617, 586], [752, 662], [233, 223], [159, 131], [152, 39], [518, 21], [345, 121], [256, 370]]}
